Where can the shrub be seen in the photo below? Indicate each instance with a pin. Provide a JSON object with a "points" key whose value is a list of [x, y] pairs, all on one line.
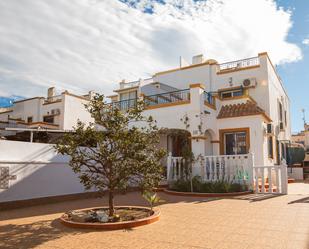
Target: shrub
{"points": [[181, 186], [200, 186]]}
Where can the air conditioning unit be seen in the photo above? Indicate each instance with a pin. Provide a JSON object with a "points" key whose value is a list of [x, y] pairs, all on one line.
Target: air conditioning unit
{"points": [[55, 111], [249, 82]]}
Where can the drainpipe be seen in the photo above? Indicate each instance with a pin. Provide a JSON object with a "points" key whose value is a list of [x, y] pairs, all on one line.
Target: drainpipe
{"points": [[210, 78]]}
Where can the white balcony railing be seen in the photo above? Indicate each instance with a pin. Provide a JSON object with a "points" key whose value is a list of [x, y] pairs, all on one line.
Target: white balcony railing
{"points": [[240, 63], [140, 82]]}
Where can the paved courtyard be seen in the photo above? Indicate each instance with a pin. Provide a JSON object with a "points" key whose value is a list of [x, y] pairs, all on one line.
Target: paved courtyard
{"points": [[252, 221]]}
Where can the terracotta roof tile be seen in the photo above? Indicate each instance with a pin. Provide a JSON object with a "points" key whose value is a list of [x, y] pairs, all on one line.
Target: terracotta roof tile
{"points": [[238, 110]]}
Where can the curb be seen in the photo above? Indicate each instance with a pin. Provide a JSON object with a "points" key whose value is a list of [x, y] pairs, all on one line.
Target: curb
{"points": [[113, 225]]}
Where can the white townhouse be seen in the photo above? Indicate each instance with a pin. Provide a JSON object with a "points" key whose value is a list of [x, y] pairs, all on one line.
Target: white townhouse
{"points": [[54, 112], [229, 109]]}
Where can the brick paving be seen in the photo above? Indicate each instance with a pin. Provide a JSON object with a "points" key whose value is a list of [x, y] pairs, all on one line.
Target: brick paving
{"points": [[252, 221]]}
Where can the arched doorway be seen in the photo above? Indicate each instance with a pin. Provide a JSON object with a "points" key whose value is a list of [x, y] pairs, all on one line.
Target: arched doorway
{"points": [[175, 141]]}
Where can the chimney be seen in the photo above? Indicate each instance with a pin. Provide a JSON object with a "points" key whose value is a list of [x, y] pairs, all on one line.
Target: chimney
{"points": [[50, 92], [183, 62], [197, 59]]}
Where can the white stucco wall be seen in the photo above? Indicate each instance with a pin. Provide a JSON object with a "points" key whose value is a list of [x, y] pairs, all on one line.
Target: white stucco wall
{"points": [[74, 109], [277, 93], [296, 173], [183, 78], [40, 171], [255, 124]]}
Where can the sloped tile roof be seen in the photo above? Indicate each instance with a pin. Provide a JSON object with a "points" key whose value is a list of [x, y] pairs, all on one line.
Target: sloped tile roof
{"points": [[238, 110]]}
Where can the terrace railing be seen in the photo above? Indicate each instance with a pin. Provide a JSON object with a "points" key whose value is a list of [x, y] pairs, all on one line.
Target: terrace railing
{"points": [[135, 83], [240, 63], [152, 100], [53, 99], [271, 179], [231, 168], [124, 105], [169, 97]]}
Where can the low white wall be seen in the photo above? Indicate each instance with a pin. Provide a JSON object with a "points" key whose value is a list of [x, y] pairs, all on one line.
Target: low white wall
{"points": [[296, 173], [39, 171]]}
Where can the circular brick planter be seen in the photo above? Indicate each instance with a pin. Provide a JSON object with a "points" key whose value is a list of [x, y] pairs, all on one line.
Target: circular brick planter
{"points": [[112, 225], [195, 194]]}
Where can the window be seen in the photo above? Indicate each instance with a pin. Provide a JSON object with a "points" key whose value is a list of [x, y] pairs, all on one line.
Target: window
{"points": [[270, 147], [280, 112], [285, 118], [128, 95], [29, 120], [234, 142], [48, 119], [231, 93], [225, 95]]}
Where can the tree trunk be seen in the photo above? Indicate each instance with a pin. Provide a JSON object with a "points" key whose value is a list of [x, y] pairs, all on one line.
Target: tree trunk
{"points": [[111, 203]]}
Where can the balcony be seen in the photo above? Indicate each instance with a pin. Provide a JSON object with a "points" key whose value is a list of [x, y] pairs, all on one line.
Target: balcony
{"points": [[162, 99], [249, 62], [167, 98], [124, 105], [53, 99]]}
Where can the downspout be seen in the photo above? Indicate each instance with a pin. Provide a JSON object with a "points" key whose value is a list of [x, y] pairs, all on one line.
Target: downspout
{"points": [[210, 78]]}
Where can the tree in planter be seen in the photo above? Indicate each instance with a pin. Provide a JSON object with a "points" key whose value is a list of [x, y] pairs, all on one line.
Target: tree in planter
{"points": [[114, 152]]}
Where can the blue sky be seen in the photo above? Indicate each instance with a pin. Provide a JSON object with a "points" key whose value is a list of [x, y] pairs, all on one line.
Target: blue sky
{"points": [[296, 75], [83, 45]]}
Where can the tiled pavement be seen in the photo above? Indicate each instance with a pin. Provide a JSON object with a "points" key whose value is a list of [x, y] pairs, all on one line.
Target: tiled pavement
{"points": [[244, 222]]}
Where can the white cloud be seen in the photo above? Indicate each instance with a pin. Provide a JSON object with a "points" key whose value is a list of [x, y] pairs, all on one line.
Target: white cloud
{"points": [[306, 41], [92, 44]]}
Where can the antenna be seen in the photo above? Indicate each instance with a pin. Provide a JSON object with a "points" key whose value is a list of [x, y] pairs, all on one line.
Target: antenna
{"points": [[304, 115]]}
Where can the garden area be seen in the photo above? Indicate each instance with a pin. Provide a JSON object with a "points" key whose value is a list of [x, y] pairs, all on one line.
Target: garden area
{"points": [[199, 186]]}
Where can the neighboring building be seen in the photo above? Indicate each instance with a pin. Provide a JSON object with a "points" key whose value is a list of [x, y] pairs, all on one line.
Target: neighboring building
{"points": [[298, 138], [56, 112], [231, 108], [302, 137]]}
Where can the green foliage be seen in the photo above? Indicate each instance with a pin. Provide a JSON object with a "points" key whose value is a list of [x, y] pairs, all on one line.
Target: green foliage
{"points": [[114, 152], [200, 186], [181, 186], [152, 198]]}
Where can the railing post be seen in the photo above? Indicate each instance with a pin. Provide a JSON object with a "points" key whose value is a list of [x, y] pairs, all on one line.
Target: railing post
{"points": [[169, 165], [251, 171], [284, 177]]}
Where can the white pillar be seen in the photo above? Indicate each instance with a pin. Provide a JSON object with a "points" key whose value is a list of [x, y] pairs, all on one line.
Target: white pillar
{"points": [[31, 136], [169, 165], [284, 177], [198, 146], [251, 171], [195, 117]]}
